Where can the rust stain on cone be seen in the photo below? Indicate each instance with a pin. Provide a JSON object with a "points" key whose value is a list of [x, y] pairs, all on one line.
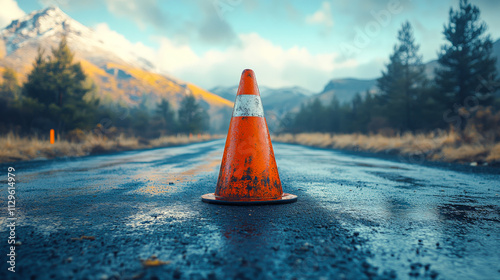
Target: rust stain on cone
{"points": [[248, 173]]}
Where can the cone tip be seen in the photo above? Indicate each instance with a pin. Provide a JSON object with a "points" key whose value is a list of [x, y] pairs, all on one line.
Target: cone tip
{"points": [[248, 83], [248, 72]]}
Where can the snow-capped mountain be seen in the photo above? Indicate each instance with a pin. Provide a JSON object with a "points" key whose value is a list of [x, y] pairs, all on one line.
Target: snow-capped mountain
{"points": [[45, 28], [121, 75]]}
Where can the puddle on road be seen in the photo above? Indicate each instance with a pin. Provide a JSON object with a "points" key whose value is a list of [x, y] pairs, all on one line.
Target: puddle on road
{"points": [[417, 233], [65, 168], [160, 181], [467, 213], [417, 221], [160, 215], [395, 177], [377, 166]]}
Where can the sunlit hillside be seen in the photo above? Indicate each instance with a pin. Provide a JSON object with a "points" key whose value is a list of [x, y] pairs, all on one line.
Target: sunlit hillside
{"points": [[120, 77]]}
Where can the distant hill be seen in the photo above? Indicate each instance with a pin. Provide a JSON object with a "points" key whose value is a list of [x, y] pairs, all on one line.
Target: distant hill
{"points": [[430, 67], [496, 52], [228, 93], [276, 101], [279, 101], [345, 89], [433, 64], [121, 75]]}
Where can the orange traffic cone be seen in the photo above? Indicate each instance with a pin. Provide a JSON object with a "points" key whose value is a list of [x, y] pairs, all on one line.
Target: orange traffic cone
{"points": [[248, 173]]}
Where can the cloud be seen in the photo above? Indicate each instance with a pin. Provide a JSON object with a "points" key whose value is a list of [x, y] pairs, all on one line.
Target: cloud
{"points": [[250, 5], [489, 13], [208, 27], [323, 16], [69, 5], [168, 57], [171, 56], [113, 38], [291, 12], [361, 11], [9, 11], [121, 45], [58, 3], [213, 28], [274, 65], [143, 12], [370, 69]]}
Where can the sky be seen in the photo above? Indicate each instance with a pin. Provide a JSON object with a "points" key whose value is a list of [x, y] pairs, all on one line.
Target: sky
{"points": [[286, 43]]}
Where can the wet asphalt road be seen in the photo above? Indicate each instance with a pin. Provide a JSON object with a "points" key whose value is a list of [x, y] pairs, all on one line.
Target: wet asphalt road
{"points": [[356, 218]]}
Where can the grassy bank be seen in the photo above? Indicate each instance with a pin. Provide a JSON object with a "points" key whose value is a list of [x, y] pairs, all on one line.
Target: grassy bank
{"points": [[447, 146], [15, 148]]}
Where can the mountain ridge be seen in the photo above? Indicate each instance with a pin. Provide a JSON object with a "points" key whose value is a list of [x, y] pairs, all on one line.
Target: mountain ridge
{"points": [[276, 101], [346, 88], [121, 76]]}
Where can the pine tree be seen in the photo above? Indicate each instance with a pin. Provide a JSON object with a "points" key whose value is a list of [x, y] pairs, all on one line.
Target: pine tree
{"points": [[37, 86], [403, 81], [312, 117], [357, 114], [466, 64], [192, 117], [59, 85], [166, 116], [68, 76], [141, 120], [368, 110], [334, 117], [316, 116], [9, 89]]}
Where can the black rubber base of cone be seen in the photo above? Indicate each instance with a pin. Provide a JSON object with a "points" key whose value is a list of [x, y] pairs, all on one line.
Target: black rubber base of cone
{"points": [[286, 198]]}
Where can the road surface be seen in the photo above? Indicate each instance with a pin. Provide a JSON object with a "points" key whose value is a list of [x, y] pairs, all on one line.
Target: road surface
{"points": [[117, 216]]}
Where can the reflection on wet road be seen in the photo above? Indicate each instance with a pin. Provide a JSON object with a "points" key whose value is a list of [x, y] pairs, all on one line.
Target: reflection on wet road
{"points": [[415, 218], [356, 216]]}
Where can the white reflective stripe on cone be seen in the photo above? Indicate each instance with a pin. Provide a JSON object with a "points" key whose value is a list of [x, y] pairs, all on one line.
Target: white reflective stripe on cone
{"points": [[248, 105]]}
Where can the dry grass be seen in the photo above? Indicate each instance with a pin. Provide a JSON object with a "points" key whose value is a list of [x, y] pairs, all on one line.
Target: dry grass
{"points": [[440, 145], [494, 154], [179, 140], [15, 148]]}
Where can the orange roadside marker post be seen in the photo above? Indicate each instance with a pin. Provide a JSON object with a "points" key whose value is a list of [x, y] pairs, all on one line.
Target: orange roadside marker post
{"points": [[248, 173], [52, 136]]}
